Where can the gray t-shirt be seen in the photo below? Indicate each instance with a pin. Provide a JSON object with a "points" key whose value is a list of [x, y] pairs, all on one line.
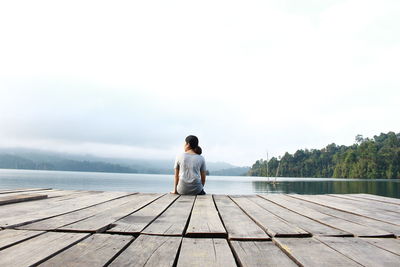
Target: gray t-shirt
{"points": [[190, 166]]}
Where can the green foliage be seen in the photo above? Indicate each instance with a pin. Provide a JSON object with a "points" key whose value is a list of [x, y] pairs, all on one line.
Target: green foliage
{"points": [[366, 158]]}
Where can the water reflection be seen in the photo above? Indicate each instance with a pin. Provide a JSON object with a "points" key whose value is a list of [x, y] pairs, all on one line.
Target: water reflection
{"points": [[376, 187]]}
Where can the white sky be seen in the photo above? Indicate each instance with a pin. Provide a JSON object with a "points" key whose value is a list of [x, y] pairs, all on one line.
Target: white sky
{"points": [[133, 78]]}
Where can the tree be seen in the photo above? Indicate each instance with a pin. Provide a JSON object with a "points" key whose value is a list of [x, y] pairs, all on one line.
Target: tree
{"points": [[359, 139]]}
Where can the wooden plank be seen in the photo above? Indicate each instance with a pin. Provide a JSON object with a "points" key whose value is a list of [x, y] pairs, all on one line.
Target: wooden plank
{"points": [[390, 244], [332, 221], [75, 216], [49, 193], [38, 249], [96, 250], [205, 252], [311, 252], [20, 198], [204, 220], [378, 198], [17, 210], [147, 250], [364, 200], [331, 203], [237, 223], [293, 218], [336, 203], [25, 208], [369, 203], [362, 252], [385, 211], [173, 221], [391, 228], [72, 194], [6, 191], [14, 215], [59, 194], [260, 253], [62, 195], [138, 220], [102, 220], [10, 237], [271, 223]]}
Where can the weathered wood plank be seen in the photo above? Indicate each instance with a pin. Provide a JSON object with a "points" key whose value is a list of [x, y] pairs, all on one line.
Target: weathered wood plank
{"points": [[385, 210], [138, 220], [20, 198], [50, 193], [329, 202], [62, 195], [73, 194], [391, 228], [332, 221], [5, 191], [205, 252], [204, 220], [390, 244], [311, 252], [96, 250], [147, 250], [260, 253], [363, 200], [10, 237], [173, 221], [378, 198], [38, 249], [75, 216], [302, 222], [371, 204], [361, 251], [237, 223], [21, 213], [271, 223], [25, 209], [102, 220]]}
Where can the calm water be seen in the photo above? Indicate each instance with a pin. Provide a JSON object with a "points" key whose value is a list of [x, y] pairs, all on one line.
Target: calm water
{"points": [[215, 184]]}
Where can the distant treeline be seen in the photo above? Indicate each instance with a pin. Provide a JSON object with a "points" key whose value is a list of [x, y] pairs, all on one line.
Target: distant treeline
{"points": [[377, 157], [42, 160], [15, 162], [238, 171]]}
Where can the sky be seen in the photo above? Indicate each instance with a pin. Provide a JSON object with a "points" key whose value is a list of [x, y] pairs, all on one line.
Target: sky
{"points": [[132, 79]]}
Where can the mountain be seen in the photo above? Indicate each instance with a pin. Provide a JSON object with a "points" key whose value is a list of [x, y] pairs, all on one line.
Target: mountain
{"points": [[21, 158], [9, 161], [234, 171]]}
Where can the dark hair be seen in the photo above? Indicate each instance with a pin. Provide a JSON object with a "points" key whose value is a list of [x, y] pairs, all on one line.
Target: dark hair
{"points": [[193, 142]]}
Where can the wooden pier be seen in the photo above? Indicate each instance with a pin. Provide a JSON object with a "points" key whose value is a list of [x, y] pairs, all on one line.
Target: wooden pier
{"points": [[49, 227]]}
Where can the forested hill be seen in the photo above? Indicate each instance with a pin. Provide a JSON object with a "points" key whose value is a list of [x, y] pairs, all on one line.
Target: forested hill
{"points": [[377, 157], [31, 159]]}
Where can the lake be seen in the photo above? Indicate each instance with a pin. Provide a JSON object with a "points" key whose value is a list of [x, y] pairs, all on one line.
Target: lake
{"points": [[215, 184]]}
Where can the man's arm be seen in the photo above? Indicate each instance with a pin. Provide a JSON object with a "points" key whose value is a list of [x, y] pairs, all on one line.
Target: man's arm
{"points": [[176, 181], [203, 177]]}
